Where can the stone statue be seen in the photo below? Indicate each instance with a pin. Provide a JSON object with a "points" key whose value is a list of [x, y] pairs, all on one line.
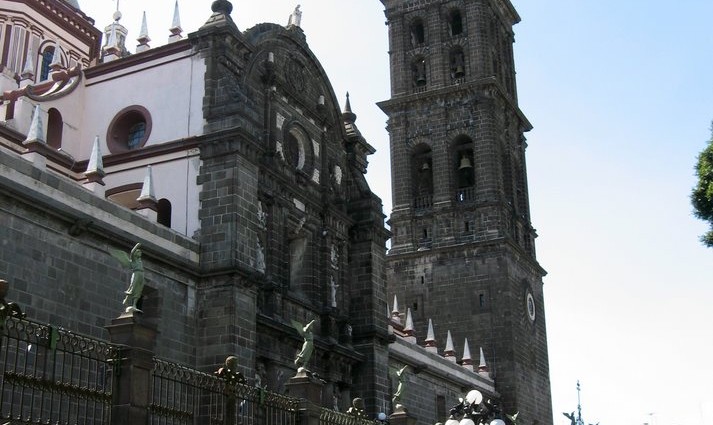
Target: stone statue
{"points": [[571, 417], [259, 257], [132, 261], [261, 216], [333, 291], [307, 346], [401, 387], [334, 257], [295, 17]]}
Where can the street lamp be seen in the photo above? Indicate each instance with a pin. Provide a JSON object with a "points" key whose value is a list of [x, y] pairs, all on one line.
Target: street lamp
{"points": [[474, 410]]}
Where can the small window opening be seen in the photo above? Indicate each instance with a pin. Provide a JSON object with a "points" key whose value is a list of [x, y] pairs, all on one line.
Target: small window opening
{"points": [[418, 33], [418, 70], [425, 233], [455, 23], [457, 63], [164, 212], [415, 306], [466, 226], [47, 57], [481, 300], [423, 280], [54, 128]]}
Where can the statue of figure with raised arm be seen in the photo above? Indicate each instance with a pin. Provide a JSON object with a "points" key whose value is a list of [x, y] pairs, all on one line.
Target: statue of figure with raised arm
{"points": [[307, 346], [132, 261], [402, 385]]}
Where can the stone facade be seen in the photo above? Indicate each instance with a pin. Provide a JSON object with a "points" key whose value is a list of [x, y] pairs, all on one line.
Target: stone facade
{"points": [[462, 250], [254, 214]]}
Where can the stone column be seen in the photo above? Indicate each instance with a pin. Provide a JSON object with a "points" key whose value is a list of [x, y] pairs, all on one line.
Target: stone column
{"points": [[401, 417], [131, 392], [309, 390]]}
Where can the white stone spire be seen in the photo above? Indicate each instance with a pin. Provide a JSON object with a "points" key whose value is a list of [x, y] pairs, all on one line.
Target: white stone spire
{"points": [[28, 71], [95, 170], [96, 164], [482, 365], [175, 29], [408, 327], [56, 63], [467, 360], [35, 141], [395, 316], [431, 338], [37, 132], [449, 353], [147, 199], [147, 191], [144, 38]]}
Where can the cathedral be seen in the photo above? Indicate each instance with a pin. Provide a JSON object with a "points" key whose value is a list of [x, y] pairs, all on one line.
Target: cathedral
{"points": [[243, 180]]}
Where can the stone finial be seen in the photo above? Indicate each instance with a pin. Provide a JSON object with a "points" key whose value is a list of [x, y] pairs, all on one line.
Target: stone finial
{"points": [[348, 115], [467, 360], [144, 38], [449, 353], [408, 328], [229, 372], [176, 28], [395, 316], [56, 64], [431, 338], [482, 365], [28, 71], [95, 167], [147, 190], [222, 6], [295, 18], [221, 15], [37, 132]]}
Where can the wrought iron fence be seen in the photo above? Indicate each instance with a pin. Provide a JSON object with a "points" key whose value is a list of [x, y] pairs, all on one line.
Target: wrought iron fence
{"points": [[186, 396], [332, 417], [50, 375]]}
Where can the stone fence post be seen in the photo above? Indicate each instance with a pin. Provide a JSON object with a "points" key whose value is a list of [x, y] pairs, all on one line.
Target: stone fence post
{"points": [[131, 392], [309, 390]]}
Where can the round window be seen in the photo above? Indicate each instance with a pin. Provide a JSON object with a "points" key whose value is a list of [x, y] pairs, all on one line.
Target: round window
{"points": [[530, 306], [129, 130]]}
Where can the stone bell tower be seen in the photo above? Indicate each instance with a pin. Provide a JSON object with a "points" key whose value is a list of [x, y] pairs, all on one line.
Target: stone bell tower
{"points": [[462, 250]]}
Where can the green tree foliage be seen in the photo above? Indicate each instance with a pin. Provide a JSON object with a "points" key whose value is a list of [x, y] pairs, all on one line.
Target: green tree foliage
{"points": [[702, 196]]}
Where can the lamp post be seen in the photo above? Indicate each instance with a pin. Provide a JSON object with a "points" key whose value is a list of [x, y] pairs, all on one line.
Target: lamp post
{"points": [[474, 410]]}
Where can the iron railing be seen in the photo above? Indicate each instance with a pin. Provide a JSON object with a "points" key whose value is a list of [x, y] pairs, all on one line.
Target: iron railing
{"points": [[332, 417], [185, 396], [50, 375]]}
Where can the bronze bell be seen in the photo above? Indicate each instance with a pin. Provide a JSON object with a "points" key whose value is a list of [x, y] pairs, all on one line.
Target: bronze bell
{"points": [[459, 71], [465, 163], [425, 166]]}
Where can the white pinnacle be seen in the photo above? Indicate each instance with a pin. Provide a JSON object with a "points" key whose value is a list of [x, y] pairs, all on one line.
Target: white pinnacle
{"points": [[96, 164], [466, 351], [431, 335], [409, 321], [449, 343], [482, 359], [36, 133], [147, 191]]}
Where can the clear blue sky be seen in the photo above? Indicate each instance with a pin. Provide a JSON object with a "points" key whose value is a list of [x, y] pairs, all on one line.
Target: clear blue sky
{"points": [[620, 93]]}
